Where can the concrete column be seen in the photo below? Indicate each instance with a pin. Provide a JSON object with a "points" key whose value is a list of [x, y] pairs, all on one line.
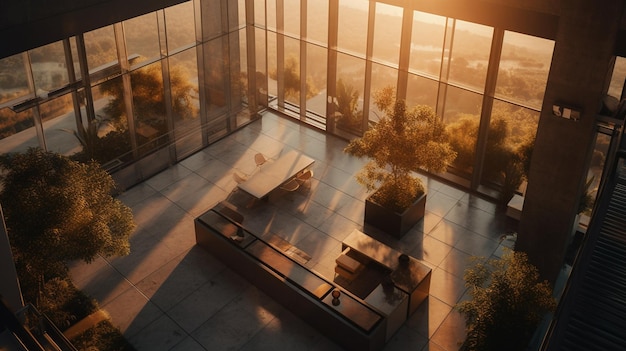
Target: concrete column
{"points": [[578, 78]]}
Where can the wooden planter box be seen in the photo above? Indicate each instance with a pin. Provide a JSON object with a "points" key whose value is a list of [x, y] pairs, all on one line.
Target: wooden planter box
{"points": [[396, 224]]}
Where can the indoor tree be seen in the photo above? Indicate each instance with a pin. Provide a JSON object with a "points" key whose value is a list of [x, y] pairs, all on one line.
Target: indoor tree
{"points": [[405, 140], [508, 301], [57, 210]]}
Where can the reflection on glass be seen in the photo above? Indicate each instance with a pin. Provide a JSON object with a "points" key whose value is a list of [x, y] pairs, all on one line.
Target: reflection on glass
{"points": [[110, 126], [292, 17], [212, 19], [149, 107], [427, 38], [17, 133], [470, 55], [101, 50], [214, 79], [179, 23], [239, 76], [352, 33], [382, 76], [462, 112], [387, 33], [317, 22], [524, 68], [272, 65], [60, 129], [349, 94], [49, 68], [291, 73], [316, 79], [185, 102], [421, 91], [13, 79], [142, 37], [261, 72]]}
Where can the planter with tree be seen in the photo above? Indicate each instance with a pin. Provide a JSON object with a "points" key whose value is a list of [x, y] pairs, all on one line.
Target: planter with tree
{"points": [[508, 303], [401, 143]]}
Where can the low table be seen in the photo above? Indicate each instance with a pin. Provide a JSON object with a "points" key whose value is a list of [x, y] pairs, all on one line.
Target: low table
{"points": [[410, 275], [271, 175]]}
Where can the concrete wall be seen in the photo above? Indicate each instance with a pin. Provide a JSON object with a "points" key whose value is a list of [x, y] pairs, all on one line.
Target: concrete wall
{"points": [[581, 66]]}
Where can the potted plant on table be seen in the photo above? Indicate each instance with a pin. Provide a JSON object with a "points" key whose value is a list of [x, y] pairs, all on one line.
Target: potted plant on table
{"points": [[403, 141]]}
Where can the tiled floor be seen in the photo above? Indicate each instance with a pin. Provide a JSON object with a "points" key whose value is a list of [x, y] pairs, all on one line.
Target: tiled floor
{"points": [[168, 294]]}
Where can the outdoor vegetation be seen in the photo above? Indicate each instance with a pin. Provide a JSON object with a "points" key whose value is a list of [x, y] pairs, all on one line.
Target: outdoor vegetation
{"points": [[509, 148], [508, 301], [56, 211]]}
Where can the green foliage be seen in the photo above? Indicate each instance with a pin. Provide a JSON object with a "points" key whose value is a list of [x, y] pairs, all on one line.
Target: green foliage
{"points": [[508, 303], [58, 210], [291, 79], [508, 156], [350, 116], [403, 141], [61, 302]]}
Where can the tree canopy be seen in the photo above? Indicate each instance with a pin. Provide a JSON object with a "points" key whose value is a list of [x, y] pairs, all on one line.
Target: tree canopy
{"points": [[508, 302], [58, 210], [403, 141]]}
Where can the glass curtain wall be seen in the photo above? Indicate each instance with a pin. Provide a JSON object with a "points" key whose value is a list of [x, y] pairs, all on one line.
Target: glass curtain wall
{"points": [[137, 95], [490, 100]]}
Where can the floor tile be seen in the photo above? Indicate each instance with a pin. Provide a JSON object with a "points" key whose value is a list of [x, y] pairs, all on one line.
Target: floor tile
{"points": [[170, 294]]}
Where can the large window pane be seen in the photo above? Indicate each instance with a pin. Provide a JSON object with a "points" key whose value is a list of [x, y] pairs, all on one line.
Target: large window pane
{"points": [[317, 22], [511, 135], [60, 126], [421, 91], [387, 33], [462, 113], [272, 65], [352, 33], [316, 79], [239, 77], [291, 74], [382, 76], [261, 67], [111, 125], [142, 37], [349, 94], [149, 107], [427, 39], [524, 67], [292, 17], [470, 55], [17, 132], [13, 78], [215, 81], [180, 26], [101, 53], [185, 103], [49, 67]]}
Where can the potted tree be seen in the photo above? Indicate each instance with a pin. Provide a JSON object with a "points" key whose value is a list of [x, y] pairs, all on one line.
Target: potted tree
{"points": [[403, 141], [508, 302]]}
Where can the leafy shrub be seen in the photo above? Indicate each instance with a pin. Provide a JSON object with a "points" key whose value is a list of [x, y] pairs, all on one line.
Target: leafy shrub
{"points": [[508, 303]]}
